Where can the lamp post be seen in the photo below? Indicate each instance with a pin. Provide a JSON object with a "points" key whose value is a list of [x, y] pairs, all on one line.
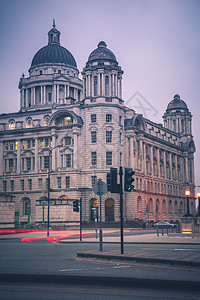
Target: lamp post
{"points": [[187, 194], [198, 196], [48, 186]]}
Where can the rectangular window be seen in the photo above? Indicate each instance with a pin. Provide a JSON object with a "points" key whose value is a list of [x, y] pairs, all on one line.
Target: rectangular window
{"points": [[16, 145], [22, 184], [93, 180], [108, 158], [4, 185], [93, 118], [40, 183], [108, 136], [30, 184], [59, 182], [68, 141], [11, 164], [22, 164], [46, 162], [46, 142], [6, 146], [49, 97], [24, 144], [40, 163], [141, 184], [28, 144], [12, 185], [33, 144], [41, 143], [68, 161], [108, 118], [67, 182], [28, 163], [93, 158], [93, 136], [11, 145]]}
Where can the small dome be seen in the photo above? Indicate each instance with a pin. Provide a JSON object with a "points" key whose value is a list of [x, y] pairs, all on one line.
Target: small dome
{"points": [[177, 103], [102, 53], [53, 52]]}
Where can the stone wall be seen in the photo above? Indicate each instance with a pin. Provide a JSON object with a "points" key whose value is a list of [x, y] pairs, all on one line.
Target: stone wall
{"points": [[7, 214]]}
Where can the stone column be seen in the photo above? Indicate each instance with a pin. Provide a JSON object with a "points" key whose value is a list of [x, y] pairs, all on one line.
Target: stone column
{"points": [[36, 155], [186, 169], [158, 156], [53, 158], [57, 97], [131, 153], [41, 91], [170, 164], [120, 88], [103, 84], [34, 98], [144, 160], [18, 157], [98, 85], [151, 157], [75, 158], [54, 93], [65, 92], [110, 86], [164, 158], [44, 95], [1, 158]]}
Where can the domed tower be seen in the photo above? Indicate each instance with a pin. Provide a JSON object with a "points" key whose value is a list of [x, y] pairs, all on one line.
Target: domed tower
{"points": [[102, 76], [53, 76], [178, 117]]}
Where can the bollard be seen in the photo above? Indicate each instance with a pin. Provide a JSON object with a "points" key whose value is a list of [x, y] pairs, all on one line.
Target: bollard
{"points": [[157, 232]]}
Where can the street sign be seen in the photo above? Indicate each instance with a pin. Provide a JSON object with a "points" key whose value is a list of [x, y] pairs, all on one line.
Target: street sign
{"points": [[100, 188]]}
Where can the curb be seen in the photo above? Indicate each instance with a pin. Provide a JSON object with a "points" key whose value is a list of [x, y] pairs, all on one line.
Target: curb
{"points": [[91, 280], [138, 259]]}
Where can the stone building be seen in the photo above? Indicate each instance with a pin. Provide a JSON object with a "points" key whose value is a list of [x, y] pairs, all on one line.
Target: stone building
{"points": [[79, 127]]}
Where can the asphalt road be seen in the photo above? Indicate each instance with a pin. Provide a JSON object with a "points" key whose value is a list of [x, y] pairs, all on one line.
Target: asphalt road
{"points": [[42, 257]]}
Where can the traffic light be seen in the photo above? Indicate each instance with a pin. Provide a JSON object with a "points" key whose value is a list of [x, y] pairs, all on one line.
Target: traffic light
{"points": [[75, 205], [112, 181], [128, 179]]}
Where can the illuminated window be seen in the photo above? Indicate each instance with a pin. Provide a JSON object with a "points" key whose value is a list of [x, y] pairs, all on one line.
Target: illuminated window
{"points": [[67, 121], [11, 125], [29, 123], [46, 121], [24, 144], [16, 145], [41, 143], [6, 146]]}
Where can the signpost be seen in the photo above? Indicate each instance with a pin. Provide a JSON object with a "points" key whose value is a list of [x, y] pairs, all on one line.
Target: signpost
{"points": [[100, 188]]}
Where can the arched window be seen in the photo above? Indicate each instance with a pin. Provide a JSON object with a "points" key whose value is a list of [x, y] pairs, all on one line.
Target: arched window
{"points": [[67, 121], [139, 204], [176, 207], [11, 125], [46, 120], [106, 85], [170, 207], [157, 206], [181, 207], [29, 123], [150, 205], [26, 207], [182, 126]]}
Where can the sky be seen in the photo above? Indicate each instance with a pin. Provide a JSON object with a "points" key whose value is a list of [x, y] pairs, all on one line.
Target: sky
{"points": [[156, 42]]}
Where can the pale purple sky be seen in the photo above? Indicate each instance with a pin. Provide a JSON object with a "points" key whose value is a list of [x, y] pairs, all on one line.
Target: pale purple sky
{"points": [[156, 42]]}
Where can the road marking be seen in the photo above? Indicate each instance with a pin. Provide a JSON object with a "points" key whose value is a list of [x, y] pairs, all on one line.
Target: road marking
{"points": [[118, 267], [183, 249]]}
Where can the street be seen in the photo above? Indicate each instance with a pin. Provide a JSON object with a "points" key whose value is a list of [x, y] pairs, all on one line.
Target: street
{"points": [[55, 258]]}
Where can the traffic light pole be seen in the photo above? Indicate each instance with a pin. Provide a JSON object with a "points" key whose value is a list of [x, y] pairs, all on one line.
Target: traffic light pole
{"points": [[121, 211], [80, 219]]}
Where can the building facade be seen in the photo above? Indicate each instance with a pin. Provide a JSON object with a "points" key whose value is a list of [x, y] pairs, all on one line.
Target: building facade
{"points": [[78, 129]]}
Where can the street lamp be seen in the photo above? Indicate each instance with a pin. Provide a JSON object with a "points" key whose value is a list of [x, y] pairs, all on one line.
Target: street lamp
{"points": [[48, 185], [187, 194], [198, 196]]}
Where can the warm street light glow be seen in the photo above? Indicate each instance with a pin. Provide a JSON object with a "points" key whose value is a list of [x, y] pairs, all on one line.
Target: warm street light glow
{"points": [[187, 193], [198, 195]]}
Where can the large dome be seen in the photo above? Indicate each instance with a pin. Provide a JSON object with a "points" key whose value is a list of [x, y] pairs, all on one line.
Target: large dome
{"points": [[102, 53], [177, 103], [53, 53]]}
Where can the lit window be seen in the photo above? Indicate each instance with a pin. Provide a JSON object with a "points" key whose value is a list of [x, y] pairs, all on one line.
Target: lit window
{"points": [[29, 123], [12, 125], [16, 143], [67, 121], [46, 121], [41, 143], [24, 144]]}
